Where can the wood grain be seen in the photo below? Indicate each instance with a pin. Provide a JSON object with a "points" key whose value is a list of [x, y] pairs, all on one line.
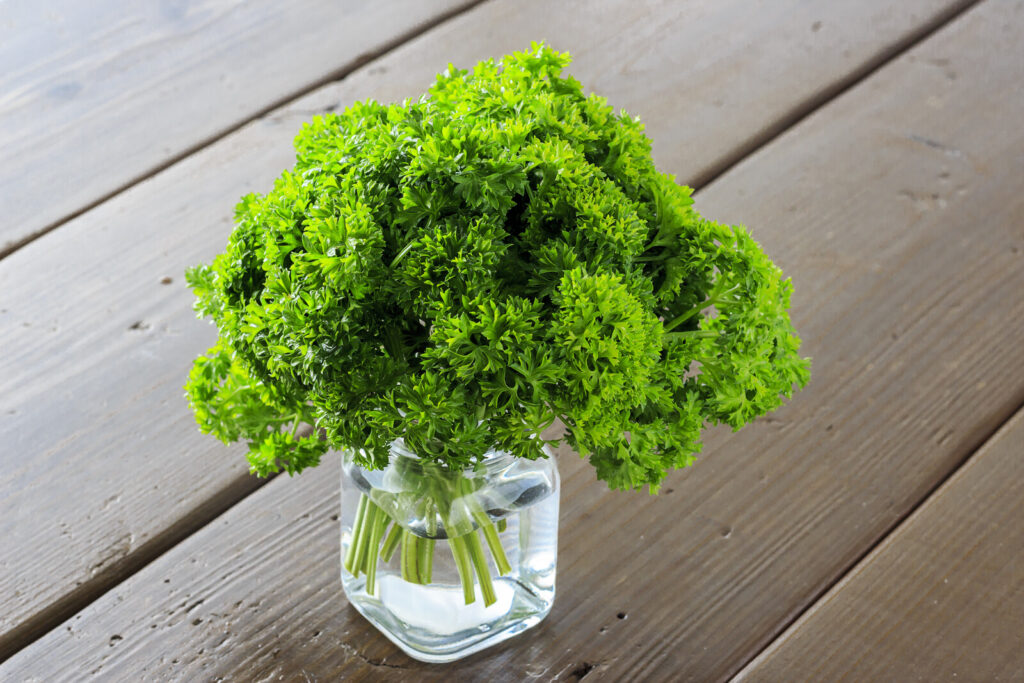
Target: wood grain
{"points": [[942, 599], [896, 211], [94, 96], [101, 467]]}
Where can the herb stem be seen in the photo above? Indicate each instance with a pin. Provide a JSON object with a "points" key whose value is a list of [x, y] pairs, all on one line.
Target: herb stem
{"points": [[676, 322], [376, 537], [498, 552], [425, 559], [409, 572], [476, 554], [689, 334], [391, 542], [462, 565], [427, 563], [489, 534], [379, 521], [715, 298], [487, 528], [369, 517], [353, 546]]}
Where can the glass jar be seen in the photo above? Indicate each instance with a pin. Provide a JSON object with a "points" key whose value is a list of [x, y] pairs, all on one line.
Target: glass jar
{"points": [[448, 563]]}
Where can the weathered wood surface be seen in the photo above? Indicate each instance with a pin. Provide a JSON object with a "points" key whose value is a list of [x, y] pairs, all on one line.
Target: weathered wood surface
{"points": [[942, 599], [95, 95], [102, 467], [897, 215]]}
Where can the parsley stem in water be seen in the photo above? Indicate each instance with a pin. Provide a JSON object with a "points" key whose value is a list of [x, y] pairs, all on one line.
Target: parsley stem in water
{"points": [[371, 541]]}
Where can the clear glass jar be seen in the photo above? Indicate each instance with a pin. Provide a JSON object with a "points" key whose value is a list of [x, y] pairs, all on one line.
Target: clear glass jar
{"points": [[448, 563]]}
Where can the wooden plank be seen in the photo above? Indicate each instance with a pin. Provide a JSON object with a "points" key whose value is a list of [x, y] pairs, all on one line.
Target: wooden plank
{"points": [[909, 304], [941, 599], [105, 345], [94, 96]]}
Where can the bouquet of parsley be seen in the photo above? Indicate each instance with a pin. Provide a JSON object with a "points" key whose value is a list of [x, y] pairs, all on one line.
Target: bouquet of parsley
{"points": [[463, 270]]}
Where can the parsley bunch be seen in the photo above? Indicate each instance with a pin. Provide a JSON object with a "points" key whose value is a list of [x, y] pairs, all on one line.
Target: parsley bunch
{"points": [[462, 270]]}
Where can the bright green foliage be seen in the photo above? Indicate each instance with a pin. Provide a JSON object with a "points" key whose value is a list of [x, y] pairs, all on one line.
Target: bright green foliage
{"points": [[462, 270]]}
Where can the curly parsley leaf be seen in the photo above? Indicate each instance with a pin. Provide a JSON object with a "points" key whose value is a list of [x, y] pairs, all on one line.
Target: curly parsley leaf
{"points": [[462, 270]]}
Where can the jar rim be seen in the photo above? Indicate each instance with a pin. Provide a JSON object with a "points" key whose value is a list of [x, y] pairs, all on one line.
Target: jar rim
{"points": [[491, 461]]}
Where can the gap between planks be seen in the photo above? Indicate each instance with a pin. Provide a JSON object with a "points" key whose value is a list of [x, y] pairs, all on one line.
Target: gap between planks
{"points": [[802, 110], [333, 77], [713, 174], [786, 627], [37, 626], [240, 488], [44, 621], [877, 553]]}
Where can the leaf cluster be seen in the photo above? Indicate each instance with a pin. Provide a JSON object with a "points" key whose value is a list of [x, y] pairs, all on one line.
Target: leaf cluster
{"points": [[464, 269]]}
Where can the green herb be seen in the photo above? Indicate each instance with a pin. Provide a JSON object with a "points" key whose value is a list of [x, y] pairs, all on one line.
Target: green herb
{"points": [[440, 504], [463, 270]]}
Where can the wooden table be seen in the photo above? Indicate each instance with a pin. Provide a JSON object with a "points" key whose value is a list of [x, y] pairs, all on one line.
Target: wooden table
{"points": [[871, 530]]}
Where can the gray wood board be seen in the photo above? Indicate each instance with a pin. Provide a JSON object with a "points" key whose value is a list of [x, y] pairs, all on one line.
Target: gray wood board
{"points": [[896, 212], [95, 95], [101, 346], [100, 456], [942, 599]]}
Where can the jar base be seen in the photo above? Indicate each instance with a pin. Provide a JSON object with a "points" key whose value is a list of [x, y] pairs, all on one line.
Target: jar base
{"points": [[434, 625]]}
